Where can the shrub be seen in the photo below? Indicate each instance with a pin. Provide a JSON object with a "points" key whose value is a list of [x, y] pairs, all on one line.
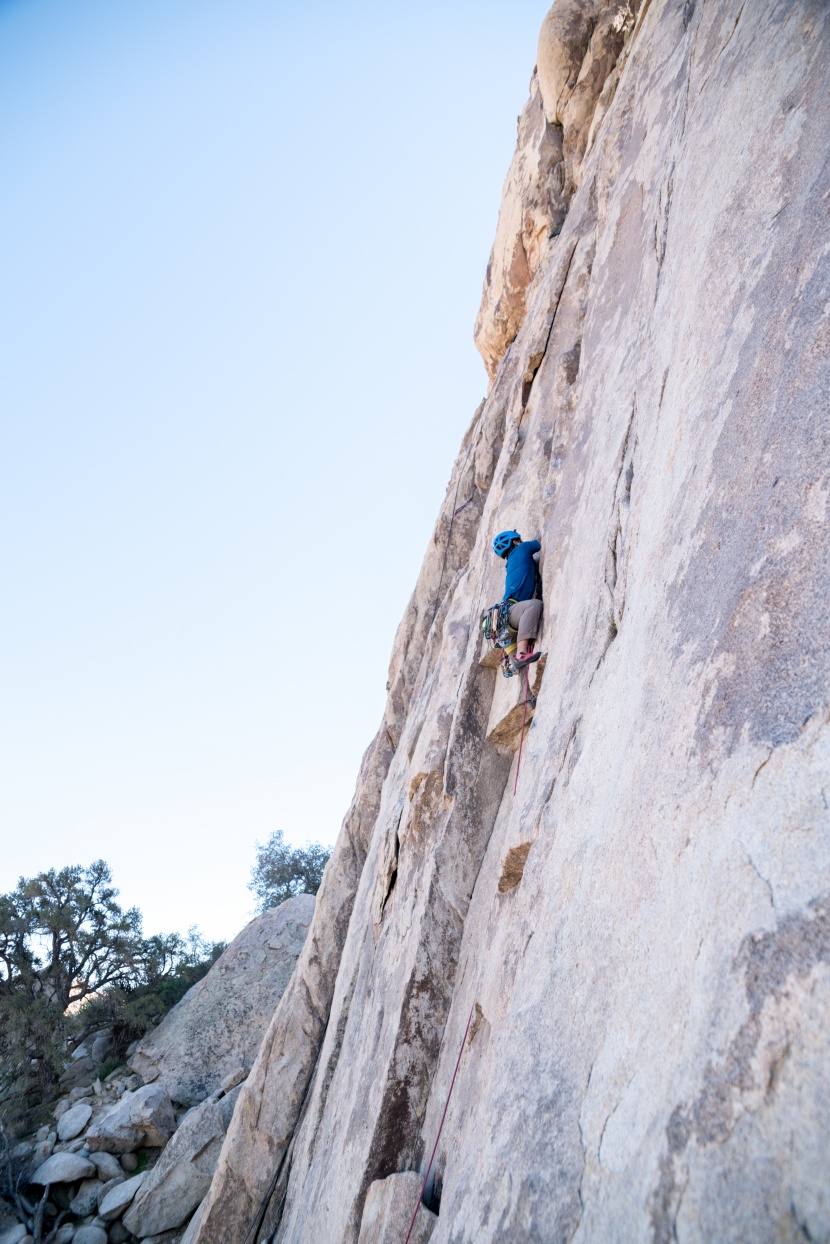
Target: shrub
{"points": [[73, 962], [281, 872]]}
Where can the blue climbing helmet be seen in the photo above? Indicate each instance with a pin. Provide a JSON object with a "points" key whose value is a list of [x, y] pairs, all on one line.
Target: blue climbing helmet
{"points": [[503, 542]]}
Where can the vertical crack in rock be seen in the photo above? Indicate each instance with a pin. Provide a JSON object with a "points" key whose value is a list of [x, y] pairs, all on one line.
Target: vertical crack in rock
{"points": [[393, 877], [729, 39], [615, 576], [537, 353], [387, 869], [661, 227]]}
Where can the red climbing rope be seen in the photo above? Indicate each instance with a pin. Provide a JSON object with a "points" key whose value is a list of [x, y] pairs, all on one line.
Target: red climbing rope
{"points": [[440, 1126], [522, 737]]}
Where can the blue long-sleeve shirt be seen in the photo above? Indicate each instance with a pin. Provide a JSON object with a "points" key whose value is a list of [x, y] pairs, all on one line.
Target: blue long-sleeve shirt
{"points": [[520, 583]]}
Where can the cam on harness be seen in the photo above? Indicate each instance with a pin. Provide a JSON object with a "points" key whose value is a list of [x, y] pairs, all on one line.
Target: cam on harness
{"points": [[498, 632]]}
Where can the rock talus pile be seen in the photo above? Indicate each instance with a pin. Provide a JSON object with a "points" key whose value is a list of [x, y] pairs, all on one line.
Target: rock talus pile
{"points": [[123, 1165], [641, 932]]}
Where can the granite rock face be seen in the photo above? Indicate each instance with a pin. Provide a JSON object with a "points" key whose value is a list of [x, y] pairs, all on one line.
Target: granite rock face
{"points": [[631, 954], [219, 1023]]}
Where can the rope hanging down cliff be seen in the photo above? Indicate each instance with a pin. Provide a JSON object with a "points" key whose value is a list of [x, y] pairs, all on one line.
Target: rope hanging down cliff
{"points": [[440, 1126]]}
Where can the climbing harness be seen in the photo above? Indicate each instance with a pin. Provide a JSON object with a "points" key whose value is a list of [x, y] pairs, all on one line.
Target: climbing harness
{"points": [[440, 1126], [495, 625], [498, 632]]}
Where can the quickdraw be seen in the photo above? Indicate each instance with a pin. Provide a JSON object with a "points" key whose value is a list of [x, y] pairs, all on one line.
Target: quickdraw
{"points": [[496, 628]]}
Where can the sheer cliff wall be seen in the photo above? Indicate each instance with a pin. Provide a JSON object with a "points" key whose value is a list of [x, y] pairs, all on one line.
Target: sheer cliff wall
{"points": [[641, 932]]}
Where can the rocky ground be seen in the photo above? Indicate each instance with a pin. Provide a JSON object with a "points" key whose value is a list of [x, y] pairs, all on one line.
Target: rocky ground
{"points": [[131, 1156]]}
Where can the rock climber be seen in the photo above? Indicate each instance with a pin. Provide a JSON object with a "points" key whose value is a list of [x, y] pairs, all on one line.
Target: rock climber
{"points": [[520, 588]]}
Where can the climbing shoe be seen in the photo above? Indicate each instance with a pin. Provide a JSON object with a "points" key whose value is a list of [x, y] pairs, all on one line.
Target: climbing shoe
{"points": [[527, 658]]}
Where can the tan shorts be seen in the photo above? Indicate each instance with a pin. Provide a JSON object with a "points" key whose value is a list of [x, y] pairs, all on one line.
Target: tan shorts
{"points": [[525, 616]]}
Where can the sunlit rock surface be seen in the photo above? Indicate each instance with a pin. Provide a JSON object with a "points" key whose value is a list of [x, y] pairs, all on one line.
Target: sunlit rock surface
{"points": [[639, 938]]}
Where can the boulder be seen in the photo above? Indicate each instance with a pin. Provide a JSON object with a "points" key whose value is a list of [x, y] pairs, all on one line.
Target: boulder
{"points": [[141, 1119], [129, 1162], [13, 1235], [117, 1233], [90, 1235], [85, 1201], [579, 45], [66, 1233], [219, 1024], [79, 1074], [120, 1197], [107, 1166], [73, 1121], [63, 1168], [41, 1151], [105, 1189], [101, 1047], [181, 1178], [388, 1209]]}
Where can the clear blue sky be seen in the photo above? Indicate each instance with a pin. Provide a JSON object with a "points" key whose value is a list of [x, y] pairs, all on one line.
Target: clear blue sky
{"points": [[242, 252]]}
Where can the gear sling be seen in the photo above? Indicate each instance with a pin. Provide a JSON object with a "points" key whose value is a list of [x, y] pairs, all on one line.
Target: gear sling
{"points": [[498, 632]]}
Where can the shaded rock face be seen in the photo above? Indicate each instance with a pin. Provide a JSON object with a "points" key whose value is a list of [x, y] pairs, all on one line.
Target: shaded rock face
{"points": [[219, 1023], [181, 1178], [639, 938]]}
